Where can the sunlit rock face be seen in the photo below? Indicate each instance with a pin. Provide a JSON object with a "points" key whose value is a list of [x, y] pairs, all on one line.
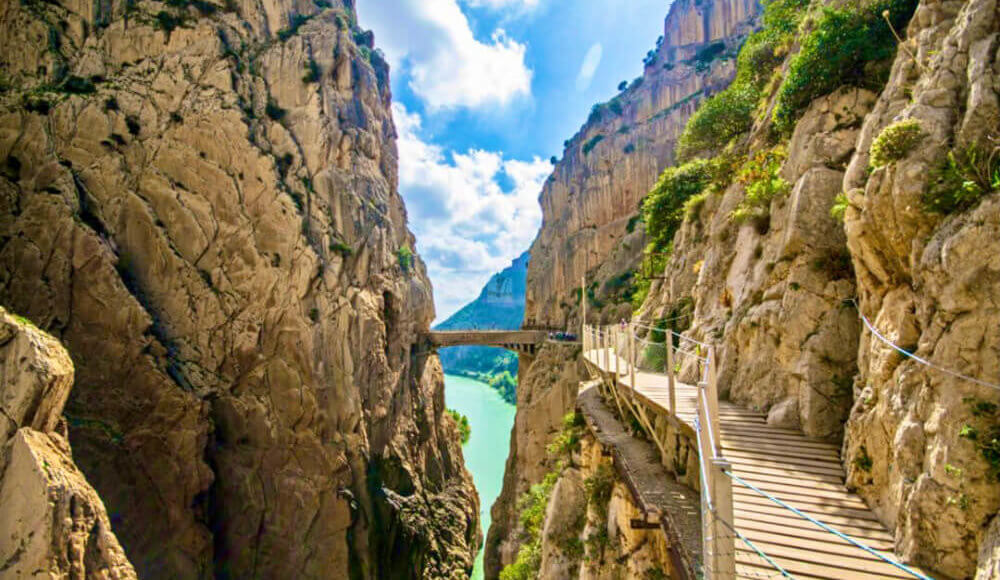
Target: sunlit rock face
{"points": [[610, 165], [53, 521], [199, 200]]}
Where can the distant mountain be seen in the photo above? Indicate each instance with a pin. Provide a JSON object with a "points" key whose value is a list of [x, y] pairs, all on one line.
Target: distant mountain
{"points": [[500, 306]]}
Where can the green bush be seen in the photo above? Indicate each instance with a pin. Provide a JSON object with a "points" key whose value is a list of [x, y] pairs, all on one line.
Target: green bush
{"points": [[662, 210], [590, 144], [78, 85], [895, 142], [839, 209], [464, 431], [168, 22], [847, 46], [718, 120], [312, 72], [692, 207], [404, 255], [273, 111], [731, 113], [341, 248], [763, 182], [984, 432], [294, 24], [962, 178]]}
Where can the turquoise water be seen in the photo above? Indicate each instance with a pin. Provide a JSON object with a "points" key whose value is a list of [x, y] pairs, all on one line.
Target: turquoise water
{"points": [[491, 419]]}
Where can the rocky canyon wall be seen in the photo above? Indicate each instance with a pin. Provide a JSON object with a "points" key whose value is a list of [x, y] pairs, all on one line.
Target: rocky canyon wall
{"points": [[611, 163], [199, 200], [53, 520], [546, 392], [781, 293]]}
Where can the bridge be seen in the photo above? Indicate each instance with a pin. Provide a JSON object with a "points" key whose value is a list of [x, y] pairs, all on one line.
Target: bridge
{"points": [[524, 342], [773, 501]]}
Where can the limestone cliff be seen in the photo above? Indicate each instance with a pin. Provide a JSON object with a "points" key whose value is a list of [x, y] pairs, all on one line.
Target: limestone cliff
{"points": [[53, 520], [777, 291], [611, 163], [199, 200], [546, 392]]}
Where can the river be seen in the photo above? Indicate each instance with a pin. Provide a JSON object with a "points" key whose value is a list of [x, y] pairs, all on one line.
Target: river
{"points": [[490, 418]]}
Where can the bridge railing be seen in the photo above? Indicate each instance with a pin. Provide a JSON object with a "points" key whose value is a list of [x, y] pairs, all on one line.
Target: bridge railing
{"points": [[625, 350]]}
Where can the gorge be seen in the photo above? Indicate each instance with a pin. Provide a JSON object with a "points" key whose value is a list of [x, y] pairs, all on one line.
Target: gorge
{"points": [[215, 320]]}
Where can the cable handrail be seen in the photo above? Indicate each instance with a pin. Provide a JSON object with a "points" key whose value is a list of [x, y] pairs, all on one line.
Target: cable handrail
{"points": [[759, 552], [829, 529], [921, 360]]}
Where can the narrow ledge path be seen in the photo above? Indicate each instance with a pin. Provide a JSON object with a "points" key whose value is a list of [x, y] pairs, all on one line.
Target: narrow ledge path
{"points": [[803, 472]]}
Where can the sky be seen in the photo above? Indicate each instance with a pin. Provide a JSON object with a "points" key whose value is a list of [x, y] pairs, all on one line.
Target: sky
{"points": [[484, 94]]}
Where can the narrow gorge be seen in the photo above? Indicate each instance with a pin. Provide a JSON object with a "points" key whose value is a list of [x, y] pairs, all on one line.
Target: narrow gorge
{"points": [[217, 357]]}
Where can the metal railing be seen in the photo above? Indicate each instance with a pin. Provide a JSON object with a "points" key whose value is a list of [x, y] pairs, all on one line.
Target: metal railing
{"points": [[620, 351]]}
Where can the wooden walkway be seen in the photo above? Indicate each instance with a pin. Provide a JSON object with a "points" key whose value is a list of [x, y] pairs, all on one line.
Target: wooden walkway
{"points": [[805, 473]]}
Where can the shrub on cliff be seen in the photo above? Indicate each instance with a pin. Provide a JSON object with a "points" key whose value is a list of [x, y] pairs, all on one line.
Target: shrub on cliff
{"points": [[404, 255], [663, 208], [761, 176], [464, 430], [852, 46], [731, 113], [895, 142], [962, 178], [722, 117]]}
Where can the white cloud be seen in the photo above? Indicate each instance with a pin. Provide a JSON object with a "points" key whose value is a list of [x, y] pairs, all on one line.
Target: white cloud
{"points": [[467, 226], [504, 4], [433, 43], [588, 67]]}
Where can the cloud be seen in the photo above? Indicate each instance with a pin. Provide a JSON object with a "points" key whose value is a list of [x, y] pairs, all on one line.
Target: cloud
{"points": [[447, 67], [588, 67], [521, 5], [467, 226]]}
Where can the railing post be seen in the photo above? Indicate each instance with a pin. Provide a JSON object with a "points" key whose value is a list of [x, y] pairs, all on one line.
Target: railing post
{"points": [[708, 523], [712, 384], [671, 379], [616, 333], [606, 347], [632, 355], [723, 539]]}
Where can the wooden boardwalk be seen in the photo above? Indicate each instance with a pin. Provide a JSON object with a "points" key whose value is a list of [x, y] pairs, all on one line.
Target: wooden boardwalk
{"points": [[805, 473]]}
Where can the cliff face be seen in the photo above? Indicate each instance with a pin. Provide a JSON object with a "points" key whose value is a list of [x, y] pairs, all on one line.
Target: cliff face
{"points": [[778, 294], [200, 201], [53, 521], [546, 392], [929, 281], [610, 165]]}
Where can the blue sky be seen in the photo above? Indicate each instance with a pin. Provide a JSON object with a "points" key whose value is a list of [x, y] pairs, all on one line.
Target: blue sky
{"points": [[485, 92]]}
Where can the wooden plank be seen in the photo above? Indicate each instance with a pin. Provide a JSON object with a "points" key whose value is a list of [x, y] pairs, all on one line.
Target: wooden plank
{"points": [[746, 516], [842, 500], [811, 563], [813, 533], [816, 508]]}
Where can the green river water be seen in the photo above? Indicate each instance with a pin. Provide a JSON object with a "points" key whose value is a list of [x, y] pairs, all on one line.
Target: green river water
{"points": [[491, 419]]}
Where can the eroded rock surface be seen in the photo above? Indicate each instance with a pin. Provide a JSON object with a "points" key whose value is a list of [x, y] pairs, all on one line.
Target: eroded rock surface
{"points": [[930, 283], [199, 199], [546, 392], [54, 524], [616, 157]]}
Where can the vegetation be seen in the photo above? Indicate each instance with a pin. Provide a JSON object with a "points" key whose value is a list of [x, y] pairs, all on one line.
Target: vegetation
{"points": [[568, 439], [273, 111], [839, 209], [848, 46], [462, 421], [962, 178], [762, 180], [984, 432], [730, 113], [599, 487], [312, 73], [662, 209], [404, 255], [717, 121], [531, 506], [296, 22], [341, 248], [895, 142], [590, 144]]}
